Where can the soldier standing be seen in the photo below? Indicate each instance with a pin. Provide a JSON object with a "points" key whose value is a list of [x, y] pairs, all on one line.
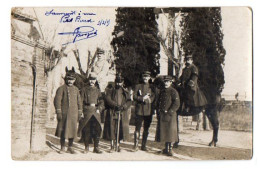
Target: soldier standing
{"points": [[168, 104], [144, 97], [118, 101], [192, 96], [68, 107], [93, 104]]}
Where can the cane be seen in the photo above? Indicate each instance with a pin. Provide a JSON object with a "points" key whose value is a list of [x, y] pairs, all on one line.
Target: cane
{"points": [[117, 134]]}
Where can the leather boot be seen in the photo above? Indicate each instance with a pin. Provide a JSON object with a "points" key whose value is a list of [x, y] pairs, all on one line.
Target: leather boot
{"points": [[96, 149], [136, 139], [170, 152], [165, 150], [144, 140], [62, 147], [71, 150], [86, 148]]}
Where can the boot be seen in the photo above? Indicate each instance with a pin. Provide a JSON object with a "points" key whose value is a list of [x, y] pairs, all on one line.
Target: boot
{"points": [[165, 150], [136, 139], [86, 148], [170, 152], [62, 147], [144, 140], [71, 150], [96, 149], [112, 148]]}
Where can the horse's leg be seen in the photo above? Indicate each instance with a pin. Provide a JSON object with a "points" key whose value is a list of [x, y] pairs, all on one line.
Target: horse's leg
{"points": [[176, 144], [213, 115]]}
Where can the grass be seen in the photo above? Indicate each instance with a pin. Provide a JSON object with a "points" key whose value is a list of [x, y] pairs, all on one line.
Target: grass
{"points": [[239, 119]]}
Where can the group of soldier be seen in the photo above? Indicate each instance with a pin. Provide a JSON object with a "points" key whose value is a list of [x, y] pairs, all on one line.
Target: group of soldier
{"points": [[79, 112]]}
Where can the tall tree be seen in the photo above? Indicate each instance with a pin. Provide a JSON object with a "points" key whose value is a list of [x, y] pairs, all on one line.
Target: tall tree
{"points": [[202, 36], [135, 43]]}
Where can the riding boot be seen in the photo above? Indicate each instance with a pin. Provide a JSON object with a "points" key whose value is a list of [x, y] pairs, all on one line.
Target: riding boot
{"points": [[86, 147], [170, 150], [96, 149], [112, 146], [70, 148], [144, 140], [62, 146], [165, 150], [136, 139]]}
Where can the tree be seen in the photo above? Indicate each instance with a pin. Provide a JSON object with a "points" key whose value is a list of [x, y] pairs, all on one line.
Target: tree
{"points": [[202, 36], [137, 48]]}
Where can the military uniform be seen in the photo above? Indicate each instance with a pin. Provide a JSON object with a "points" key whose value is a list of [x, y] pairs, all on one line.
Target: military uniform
{"points": [[192, 95], [68, 107], [90, 127], [168, 104], [143, 111], [118, 101]]}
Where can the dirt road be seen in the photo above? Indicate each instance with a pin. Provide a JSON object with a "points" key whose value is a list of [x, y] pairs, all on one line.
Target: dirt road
{"points": [[232, 145]]}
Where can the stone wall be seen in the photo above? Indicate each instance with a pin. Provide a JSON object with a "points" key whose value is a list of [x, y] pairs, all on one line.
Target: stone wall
{"points": [[28, 129]]}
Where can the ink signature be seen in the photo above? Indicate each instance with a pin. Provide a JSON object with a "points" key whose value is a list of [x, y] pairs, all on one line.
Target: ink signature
{"points": [[81, 33]]}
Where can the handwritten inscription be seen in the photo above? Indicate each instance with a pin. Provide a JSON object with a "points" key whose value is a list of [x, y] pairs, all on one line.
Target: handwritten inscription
{"points": [[81, 33]]}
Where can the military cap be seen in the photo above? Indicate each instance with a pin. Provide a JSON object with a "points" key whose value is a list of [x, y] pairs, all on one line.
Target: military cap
{"points": [[146, 74], [119, 79], [92, 76], [100, 51], [167, 78]]}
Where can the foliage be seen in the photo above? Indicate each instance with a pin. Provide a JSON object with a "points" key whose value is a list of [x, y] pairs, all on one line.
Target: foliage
{"points": [[137, 49], [202, 36]]}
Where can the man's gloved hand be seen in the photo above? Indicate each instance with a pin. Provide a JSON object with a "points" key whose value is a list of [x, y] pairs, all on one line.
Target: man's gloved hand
{"points": [[59, 116], [80, 116]]}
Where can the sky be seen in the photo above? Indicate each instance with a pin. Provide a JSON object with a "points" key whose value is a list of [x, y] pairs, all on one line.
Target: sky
{"points": [[237, 29]]}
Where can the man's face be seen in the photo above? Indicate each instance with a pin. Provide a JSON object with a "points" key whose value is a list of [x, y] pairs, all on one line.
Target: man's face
{"points": [[189, 61], [92, 82], [70, 82], [100, 56], [146, 79], [119, 84], [167, 84]]}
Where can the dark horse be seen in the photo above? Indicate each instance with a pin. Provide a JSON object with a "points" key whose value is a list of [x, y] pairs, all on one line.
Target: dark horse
{"points": [[212, 109]]}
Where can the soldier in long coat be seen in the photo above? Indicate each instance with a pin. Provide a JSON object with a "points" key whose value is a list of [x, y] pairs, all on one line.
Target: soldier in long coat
{"points": [[68, 107], [90, 127], [144, 97], [168, 104], [191, 94], [119, 101]]}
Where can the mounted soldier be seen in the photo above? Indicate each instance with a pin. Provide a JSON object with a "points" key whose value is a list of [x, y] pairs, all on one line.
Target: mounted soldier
{"points": [[90, 128], [144, 97], [192, 96], [168, 104], [68, 107], [118, 100]]}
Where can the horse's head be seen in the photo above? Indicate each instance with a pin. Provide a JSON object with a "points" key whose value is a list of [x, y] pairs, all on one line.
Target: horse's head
{"points": [[70, 76]]}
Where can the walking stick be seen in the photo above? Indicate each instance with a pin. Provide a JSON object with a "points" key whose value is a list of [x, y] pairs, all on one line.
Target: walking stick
{"points": [[117, 134]]}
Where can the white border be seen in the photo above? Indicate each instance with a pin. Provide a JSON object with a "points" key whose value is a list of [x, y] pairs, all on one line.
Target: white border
{"points": [[5, 149]]}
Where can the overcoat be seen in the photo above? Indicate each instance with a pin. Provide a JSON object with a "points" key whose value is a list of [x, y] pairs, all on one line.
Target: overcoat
{"points": [[111, 116], [143, 107], [192, 95], [67, 101], [168, 101], [90, 95]]}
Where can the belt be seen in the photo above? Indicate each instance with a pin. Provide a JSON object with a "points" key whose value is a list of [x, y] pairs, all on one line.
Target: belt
{"points": [[91, 104]]}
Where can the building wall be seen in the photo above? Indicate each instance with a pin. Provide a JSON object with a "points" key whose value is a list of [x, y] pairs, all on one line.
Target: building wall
{"points": [[27, 132]]}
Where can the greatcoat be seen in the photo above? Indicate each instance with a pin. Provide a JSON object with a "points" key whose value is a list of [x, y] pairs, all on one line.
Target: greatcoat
{"points": [[67, 101], [168, 101], [192, 95], [111, 98], [90, 95], [143, 107]]}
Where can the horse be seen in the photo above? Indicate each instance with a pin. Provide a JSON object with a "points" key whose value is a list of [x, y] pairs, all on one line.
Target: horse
{"points": [[212, 109]]}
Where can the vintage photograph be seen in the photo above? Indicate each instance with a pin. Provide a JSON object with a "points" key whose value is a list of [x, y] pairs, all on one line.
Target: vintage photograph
{"points": [[131, 83]]}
